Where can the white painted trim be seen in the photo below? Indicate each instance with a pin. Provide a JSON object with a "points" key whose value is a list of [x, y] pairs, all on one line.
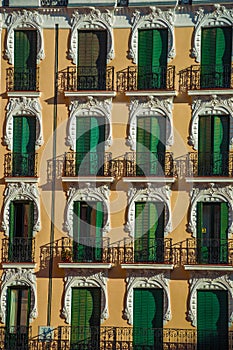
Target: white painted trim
{"points": [[148, 93], [210, 92], [146, 179], [23, 94], [91, 265], [19, 265], [87, 179], [208, 268], [90, 93], [141, 266], [22, 179], [200, 179]]}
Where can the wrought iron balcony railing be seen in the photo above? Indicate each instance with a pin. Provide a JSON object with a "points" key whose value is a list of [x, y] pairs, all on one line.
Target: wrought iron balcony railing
{"points": [[15, 337], [87, 249], [18, 249], [53, 3], [209, 164], [199, 77], [149, 164], [86, 164], [146, 78], [87, 78], [25, 79], [20, 164], [147, 250]]}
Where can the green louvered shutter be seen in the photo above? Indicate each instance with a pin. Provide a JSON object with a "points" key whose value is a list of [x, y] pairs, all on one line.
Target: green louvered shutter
{"points": [[99, 226], [85, 316], [159, 58], [202, 244], [159, 241], [92, 59], [223, 232], [82, 144], [147, 318], [139, 231], [25, 51], [204, 146], [78, 249], [223, 56], [143, 146], [145, 53], [208, 49], [220, 147], [24, 136], [11, 232], [212, 320]]}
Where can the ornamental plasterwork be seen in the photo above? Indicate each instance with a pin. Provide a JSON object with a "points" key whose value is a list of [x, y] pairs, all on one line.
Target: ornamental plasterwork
{"points": [[156, 19], [23, 106], [85, 280], [221, 17], [208, 280], [21, 191], [91, 108], [93, 20], [147, 279], [14, 278], [148, 194], [212, 106], [161, 107], [87, 194], [24, 20], [209, 195]]}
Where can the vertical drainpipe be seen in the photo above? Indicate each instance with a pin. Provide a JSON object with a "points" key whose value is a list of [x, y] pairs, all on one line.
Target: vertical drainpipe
{"points": [[50, 285]]}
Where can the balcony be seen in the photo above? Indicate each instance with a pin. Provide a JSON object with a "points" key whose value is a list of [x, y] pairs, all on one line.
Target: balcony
{"points": [[25, 79], [146, 78], [15, 337], [18, 250], [209, 164], [88, 249], [20, 164], [149, 164], [87, 164], [202, 77], [87, 78]]}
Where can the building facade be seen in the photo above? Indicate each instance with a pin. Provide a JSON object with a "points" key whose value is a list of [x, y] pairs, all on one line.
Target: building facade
{"points": [[116, 178]]}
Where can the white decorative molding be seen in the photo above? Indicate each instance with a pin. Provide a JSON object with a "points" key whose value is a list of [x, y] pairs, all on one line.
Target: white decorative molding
{"points": [[92, 108], [149, 194], [221, 17], [23, 106], [213, 105], [209, 280], [24, 20], [156, 19], [93, 20], [212, 193], [161, 107], [87, 194], [85, 279], [147, 279], [21, 191], [18, 277]]}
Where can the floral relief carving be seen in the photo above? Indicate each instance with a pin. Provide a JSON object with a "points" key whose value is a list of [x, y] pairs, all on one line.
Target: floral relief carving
{"points": [[95, 19], [85, 279], [23, 106], [21, 191], [18, 277], [24, 20], [154, 20], [90, 108]]}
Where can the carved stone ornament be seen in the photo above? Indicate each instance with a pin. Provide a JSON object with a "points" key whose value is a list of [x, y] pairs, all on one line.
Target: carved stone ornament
{"points": [[93, 20], [85, 280], [213, 105], [24, 20], [14, 278], [156, 19], [149, 194], [208, 280], [221, 17], [23, 106], [91, 108], [161, 107], [87, 194], [21, 191], [211, 194], [147, 279]]}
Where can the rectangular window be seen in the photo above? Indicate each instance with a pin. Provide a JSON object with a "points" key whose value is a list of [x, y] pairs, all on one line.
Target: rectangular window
{"points": [[212, 319], [24, 137], [85, 318], [87, 231], [25, 51], [148, 318], [216, 47], [92, 59], [152, 58], [18, 308], [149, 232], [150, 151], [212, 227]]}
